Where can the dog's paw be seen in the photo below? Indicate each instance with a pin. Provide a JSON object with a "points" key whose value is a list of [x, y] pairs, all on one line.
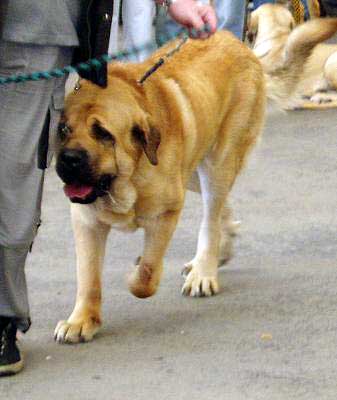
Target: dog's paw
{"points": [[225, 256], [143, 280], [197, 285], [226, 243], [82, 331], [187, 269], [225, 250], [322, 98]]}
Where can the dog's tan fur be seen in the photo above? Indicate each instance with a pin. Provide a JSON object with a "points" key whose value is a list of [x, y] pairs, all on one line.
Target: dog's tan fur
{"points": [[208, 103], [272, 27], [202, 111]]}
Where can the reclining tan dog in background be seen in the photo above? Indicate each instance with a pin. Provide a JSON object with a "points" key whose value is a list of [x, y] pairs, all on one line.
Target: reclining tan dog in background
{"points": [[128, 152], [271, 27]]}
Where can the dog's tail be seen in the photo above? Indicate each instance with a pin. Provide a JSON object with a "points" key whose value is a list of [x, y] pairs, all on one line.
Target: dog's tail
{"points": [[282, 81]]}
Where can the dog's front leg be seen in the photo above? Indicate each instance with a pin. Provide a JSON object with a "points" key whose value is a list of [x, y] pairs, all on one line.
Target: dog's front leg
{"points": [[90, 239], [144, 280]]}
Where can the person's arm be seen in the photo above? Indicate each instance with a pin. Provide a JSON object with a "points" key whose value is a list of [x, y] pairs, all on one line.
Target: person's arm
{"points": [[191, 14]]}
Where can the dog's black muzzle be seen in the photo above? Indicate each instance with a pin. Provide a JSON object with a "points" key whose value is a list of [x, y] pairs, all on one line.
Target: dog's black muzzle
{"points": [[72, 166], [81, 186]]}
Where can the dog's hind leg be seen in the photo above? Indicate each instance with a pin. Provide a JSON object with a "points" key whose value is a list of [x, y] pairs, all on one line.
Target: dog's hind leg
{"points": [[217, 174], [229, 228], [228, 232], [85, 320], [202, 279]]}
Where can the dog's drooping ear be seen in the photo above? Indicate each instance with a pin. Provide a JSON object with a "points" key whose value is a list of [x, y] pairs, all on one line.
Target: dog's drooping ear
{"points": [[149, 141]]}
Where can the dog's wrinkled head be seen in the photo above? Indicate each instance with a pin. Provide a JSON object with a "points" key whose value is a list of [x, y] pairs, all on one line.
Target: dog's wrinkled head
{"points": [[102, 135]]}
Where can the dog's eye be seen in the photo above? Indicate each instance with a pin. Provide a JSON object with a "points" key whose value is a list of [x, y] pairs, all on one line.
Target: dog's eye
{"points": [[102, 134], [63, 131]]}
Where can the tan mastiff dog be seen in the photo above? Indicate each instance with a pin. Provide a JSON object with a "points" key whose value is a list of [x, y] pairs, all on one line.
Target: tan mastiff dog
{"points": [[128, 152], [271, 28]]}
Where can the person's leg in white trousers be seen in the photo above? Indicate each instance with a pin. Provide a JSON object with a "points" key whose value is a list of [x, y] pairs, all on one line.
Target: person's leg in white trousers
{"points": [[137, 26]]}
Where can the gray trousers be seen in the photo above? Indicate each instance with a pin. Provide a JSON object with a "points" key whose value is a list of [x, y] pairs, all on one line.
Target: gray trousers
{"points": [[24, 108]]}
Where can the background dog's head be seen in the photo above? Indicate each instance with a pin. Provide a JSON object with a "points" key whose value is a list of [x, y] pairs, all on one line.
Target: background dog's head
{"points": [[270, 19], [102, 135]]}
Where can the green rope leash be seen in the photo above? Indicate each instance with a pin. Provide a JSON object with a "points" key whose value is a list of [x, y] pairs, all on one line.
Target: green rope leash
{"points": [[94, 63]]}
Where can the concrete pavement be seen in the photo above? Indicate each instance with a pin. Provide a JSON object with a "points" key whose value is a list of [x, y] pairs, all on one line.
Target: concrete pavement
{"points": [[271, 334]]}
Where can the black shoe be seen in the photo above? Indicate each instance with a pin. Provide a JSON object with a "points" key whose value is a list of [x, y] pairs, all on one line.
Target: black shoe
{"points": [[10, 357]]}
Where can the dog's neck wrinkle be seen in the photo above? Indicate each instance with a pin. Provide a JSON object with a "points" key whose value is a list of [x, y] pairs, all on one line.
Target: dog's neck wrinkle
{"points": [[154, 107], [130, 81], [139, 92]]}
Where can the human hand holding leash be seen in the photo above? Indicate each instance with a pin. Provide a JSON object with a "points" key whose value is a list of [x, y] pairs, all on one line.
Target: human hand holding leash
{"points": [[193, 15]]}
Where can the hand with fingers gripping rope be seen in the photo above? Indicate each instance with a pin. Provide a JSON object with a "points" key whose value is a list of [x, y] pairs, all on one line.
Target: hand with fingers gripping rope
{"points": [[192, 15]]}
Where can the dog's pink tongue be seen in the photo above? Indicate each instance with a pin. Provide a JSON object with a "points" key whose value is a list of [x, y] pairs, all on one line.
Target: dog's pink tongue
{"points": [[79, 191]]}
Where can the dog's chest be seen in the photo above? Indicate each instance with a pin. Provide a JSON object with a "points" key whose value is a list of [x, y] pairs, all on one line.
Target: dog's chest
{"points": [[109, 215]]}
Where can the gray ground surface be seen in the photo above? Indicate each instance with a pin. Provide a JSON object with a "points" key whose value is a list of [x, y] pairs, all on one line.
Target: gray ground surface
{"points": [[270, 334]]}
